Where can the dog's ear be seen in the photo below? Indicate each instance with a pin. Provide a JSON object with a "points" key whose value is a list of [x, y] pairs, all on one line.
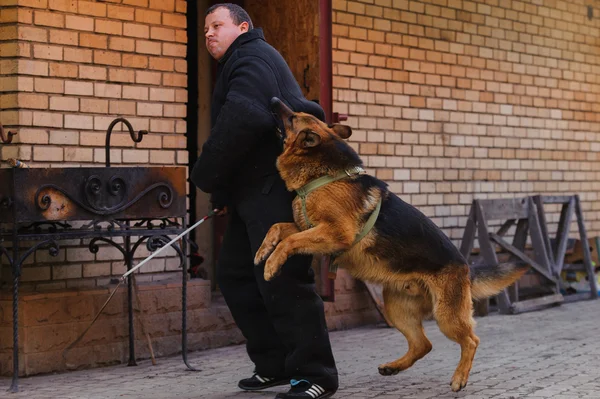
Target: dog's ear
{"points": [[341, 130], [309, 139]]}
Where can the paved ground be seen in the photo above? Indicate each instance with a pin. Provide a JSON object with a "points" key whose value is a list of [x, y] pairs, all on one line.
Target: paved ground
{"points": [[554, 353]]}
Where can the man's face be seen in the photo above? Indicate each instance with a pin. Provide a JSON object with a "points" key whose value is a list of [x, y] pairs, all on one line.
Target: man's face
{"points": [[220, 31]]}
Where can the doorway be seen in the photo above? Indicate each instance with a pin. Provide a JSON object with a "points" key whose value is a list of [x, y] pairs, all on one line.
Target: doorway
{"points": [[301, 31]]}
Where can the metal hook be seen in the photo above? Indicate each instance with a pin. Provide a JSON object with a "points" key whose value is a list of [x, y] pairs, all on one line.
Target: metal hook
{"points": [[6, 139]]}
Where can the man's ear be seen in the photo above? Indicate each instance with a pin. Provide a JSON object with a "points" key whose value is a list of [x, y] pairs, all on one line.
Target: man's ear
{"points": [[309, 139], [341, 130]]}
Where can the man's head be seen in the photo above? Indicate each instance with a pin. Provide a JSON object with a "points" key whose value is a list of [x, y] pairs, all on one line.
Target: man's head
{"points": [[222, 25]]}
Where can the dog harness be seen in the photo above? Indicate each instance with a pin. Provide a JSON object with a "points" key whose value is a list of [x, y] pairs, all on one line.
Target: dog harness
{"points": [[324, 180]]}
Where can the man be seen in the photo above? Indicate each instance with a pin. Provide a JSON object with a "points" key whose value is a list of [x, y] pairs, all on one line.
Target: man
{"points": [[282, 320]]}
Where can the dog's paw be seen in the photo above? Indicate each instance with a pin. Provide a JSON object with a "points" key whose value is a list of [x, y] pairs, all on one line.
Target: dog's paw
{"points": [[263, 252], [270, 271], [384, 369], [273, 265], [458, 382]]}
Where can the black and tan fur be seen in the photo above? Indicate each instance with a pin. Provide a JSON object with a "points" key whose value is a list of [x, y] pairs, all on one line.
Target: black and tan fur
{"points": [[422, 272]]}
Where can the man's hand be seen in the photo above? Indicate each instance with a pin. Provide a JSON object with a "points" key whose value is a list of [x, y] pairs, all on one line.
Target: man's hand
{"points": [[221, 212]]}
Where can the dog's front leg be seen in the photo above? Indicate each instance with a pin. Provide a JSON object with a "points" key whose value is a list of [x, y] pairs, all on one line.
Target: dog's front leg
{"points": [[277, 232], [318, 240]]}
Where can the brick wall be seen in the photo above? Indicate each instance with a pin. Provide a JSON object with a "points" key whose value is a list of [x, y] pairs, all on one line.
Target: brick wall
{"points": [[67, 69], [454, 100]]}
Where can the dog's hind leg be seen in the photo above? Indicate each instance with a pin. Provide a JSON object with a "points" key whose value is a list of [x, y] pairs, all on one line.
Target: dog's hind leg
{"points": [[406, 311], [453, 310]]}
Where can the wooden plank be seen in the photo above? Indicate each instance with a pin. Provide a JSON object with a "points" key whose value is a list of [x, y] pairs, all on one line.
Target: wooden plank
{"points": [[540, 269], [536, 303], [537, 240], [466, 246], [577, 297], [489, 254], [505, 227], [587, 257], [562, 234], [511, 208], [556, 199], [519, 242], [544, 228], [487, 249]]}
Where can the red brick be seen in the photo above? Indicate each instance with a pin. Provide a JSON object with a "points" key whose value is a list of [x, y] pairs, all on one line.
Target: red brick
{"points": [[107, 57], [63, 70], [63, 37], [77, 55], [136, 30], [121, 75], [162, 64], [63, 5], [159, 94], [174, 79], [181, 6], [174, 50], [135, 61], [164, 5], [48, 52], [64, 104], [139, 3], [124, 13], [49, 85], [49, 19], [146, 47], [92, 105], [32, 34], [28, 67], [35, 101], [76, 22], [92, 72], [152, 78], [181, 36], [93, 40], [47, 119], [107, 90], [181, 66], [92, 8], [109, 27], [147, 16], [164, 34], [121, 44], [175, 20], [122, 107], [135, 92], [79, 88]]}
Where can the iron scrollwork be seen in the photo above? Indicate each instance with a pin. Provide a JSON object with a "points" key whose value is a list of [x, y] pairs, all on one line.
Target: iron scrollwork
{"points": [[97, 203]]}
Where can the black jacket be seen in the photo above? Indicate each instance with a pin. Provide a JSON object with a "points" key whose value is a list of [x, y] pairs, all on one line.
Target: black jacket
{"points": [[243, 146]]}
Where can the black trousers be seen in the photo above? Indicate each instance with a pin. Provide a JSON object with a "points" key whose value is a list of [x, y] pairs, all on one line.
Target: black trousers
{"points": [[282, 320]]}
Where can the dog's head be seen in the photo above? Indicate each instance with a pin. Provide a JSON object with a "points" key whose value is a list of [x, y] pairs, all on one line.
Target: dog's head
{"points": [[304, 131], [311, 145]]}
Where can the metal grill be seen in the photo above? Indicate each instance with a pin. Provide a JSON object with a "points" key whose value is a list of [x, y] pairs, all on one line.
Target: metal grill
{"points": [[140, 204]]}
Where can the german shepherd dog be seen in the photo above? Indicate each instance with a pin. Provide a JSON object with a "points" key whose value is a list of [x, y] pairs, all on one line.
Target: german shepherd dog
{"points": [[422, 273]]}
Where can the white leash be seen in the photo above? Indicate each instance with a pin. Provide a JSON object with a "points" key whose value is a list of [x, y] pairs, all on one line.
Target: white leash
{"points": [[198, 223], [124, 276]]}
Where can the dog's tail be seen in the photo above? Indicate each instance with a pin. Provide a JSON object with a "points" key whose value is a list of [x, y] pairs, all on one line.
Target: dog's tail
{"points": [[490, 280]]}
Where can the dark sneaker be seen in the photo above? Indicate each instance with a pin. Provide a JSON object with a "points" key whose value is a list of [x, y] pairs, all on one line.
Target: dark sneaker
{"points": [[258, 382], [303, 389]]}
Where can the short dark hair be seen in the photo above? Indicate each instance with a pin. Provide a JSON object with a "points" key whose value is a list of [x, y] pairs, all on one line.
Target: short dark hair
{"points": [[237, 13]]}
